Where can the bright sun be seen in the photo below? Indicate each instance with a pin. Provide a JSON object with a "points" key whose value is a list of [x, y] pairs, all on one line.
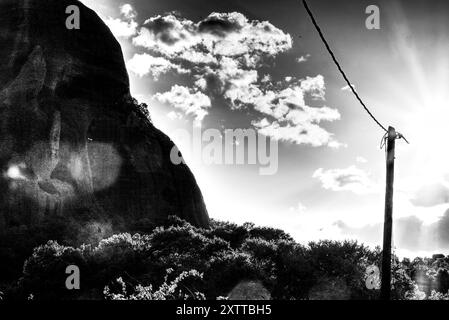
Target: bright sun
{"points": [[428, 129]]}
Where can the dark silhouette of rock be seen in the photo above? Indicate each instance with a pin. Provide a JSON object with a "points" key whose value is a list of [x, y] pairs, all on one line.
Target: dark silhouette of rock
{"points": [[75, 151]]}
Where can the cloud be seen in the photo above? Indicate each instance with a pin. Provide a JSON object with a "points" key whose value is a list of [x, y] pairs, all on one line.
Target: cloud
{"points": [[410, 233], [142, 64], [122, 29], [286, 115], [431, 195], [302, 58], [266, 79], [360, 159], [125, 26], [290, 119], [308, 134], [173, 115], [167, 35], [223, 54], [219, 34], [348, 88], [314, 86], [250, 39], [128, 11], [350, 179], [191, 102]]}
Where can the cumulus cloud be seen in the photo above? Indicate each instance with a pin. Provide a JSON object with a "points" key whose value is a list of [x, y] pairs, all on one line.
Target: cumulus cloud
{"points": [[173, 115], [128, 11], [142, 64], [219, 34], [310, 134], [348, 88], [314, 86], [191, 102], [125, 26], [302, 58], [431, 195], [223, 54], [122, 29], [349, 179], [167, 35], [286, 115], [290, 119], [223, 43]]}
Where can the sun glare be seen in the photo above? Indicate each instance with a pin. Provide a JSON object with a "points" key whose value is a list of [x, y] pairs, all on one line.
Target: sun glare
{"points": [[14, 173], [431, 132]]}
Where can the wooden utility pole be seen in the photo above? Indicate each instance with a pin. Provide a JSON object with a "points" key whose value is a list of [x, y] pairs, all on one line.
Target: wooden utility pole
{"points": [[388, 223], [392, 135]]}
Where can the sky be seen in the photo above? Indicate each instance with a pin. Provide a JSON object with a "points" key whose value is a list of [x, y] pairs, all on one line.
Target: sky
{"points": [[260, 65]]}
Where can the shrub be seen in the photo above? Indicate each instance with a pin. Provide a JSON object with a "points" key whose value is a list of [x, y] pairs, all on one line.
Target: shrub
{"points": [[44, 272], [294, 273], [209, 263], [230, 232], [438, 296], [181, 288], [226, 270]]}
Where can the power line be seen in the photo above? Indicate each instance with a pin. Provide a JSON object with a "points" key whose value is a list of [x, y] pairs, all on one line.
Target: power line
{"points": [[339, 67], [388, 140]]}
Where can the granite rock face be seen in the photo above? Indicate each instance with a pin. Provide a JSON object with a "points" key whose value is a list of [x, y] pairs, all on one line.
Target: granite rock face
{"points": [[78, 160]]}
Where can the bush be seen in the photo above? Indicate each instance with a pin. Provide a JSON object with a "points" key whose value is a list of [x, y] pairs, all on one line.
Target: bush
{"points": [[230, 232], [294, 273], [226, 270], [438, 296], [209, 263], [44, 272], [181, 288]]}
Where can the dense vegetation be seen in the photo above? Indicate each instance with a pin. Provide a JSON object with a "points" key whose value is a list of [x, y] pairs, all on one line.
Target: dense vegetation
{"points": [[179, 261]]}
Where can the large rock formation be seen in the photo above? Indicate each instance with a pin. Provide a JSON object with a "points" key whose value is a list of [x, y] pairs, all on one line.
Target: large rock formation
{"points": [[77, 157]]}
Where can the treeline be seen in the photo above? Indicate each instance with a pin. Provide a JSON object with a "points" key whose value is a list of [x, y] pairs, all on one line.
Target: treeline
{"points": [[179, 261]]}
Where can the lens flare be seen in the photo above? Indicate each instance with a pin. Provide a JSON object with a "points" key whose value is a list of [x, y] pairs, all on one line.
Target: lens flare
{"points": [[14, 173]]}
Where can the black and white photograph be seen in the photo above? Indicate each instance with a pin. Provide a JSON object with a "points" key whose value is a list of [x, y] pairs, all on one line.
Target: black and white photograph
{"points": [[224, 155]]}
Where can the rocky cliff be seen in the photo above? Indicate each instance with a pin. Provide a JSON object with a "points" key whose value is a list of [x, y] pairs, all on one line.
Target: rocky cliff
{"points": [[78, 160]]}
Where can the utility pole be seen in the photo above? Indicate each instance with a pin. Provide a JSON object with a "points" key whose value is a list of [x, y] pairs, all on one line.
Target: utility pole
{"points": [[392, 135], [388, 223]]}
